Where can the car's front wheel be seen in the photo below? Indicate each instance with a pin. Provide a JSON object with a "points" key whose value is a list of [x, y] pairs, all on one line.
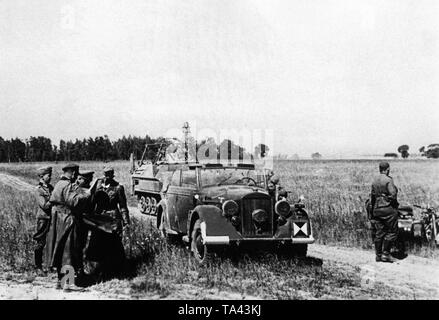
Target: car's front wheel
{"points": [[203, 253], [293, 250], [300, 250]]}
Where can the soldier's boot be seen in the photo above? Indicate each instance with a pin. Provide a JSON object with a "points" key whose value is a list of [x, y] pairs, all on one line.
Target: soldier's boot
{"points": [[38, 254], [378, 250], [386, 257], [69, 286], [72, 287], [80, 276]]}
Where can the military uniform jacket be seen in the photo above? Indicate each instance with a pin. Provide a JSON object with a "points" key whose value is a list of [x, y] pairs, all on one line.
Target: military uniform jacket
{"points": [[65, 198], [384, 195], [43, 196], [115, 204]]}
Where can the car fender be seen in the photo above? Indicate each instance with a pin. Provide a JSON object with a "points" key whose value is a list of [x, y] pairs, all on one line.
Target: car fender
{"points": [[216, 224]]}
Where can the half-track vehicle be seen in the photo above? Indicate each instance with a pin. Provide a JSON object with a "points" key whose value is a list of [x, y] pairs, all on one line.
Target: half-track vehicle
{"points": [[147, 179]]}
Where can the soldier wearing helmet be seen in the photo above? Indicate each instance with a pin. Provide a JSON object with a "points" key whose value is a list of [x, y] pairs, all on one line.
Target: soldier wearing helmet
{"points": [[274, 188], [384, 212]]}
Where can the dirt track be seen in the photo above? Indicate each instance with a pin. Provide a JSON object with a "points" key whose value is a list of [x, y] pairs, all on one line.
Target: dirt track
{"points": [[416, 277], [15, 182]]}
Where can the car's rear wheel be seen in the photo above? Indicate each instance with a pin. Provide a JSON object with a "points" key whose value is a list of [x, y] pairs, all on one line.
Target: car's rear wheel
{"points": [[203, 253]]}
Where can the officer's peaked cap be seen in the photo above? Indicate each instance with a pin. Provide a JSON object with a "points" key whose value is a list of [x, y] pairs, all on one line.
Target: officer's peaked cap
{"points": [[108, 169], [72, 166], [44, 170], [86, 173]]}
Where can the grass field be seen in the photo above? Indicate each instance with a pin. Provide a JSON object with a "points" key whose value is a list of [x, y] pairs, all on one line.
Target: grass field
{"points": [[335, 192]]}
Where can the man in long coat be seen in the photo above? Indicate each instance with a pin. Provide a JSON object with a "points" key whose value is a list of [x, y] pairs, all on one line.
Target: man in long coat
{"points": [[65, 232]]}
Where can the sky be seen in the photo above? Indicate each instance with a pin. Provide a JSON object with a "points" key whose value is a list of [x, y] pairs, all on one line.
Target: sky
{"points": [[338, 77]]}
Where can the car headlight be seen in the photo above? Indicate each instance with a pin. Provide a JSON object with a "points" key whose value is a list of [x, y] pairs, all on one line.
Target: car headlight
{"points": [[282, 208], [230, 208], [235, 221]]}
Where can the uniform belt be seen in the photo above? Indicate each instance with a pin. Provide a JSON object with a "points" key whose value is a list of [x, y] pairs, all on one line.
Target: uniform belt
{"points": [[112, 213], [61, 209]]}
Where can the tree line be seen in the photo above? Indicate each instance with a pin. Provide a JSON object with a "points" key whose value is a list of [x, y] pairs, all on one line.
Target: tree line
{"points": [[98, 148], [431, 151], [101, 148]]}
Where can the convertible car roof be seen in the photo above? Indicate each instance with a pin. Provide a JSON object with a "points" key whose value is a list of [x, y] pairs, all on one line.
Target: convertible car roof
{"points": [[225, 164]]}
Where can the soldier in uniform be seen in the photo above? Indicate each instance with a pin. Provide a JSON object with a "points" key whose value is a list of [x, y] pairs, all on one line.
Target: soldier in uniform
{"points": [[384, 212], [44, 190], [104, 248], [66, 233], [82, 185]]}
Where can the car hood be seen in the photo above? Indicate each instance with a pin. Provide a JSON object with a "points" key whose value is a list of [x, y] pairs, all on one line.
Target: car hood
{"points": [[230, 192]]}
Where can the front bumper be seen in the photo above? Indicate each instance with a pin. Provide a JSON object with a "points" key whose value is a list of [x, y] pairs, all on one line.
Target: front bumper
{"points": [[294, 231], [225, 240]]}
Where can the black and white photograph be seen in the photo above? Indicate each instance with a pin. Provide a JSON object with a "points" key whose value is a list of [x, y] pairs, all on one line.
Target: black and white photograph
{"points": [[229, 150]]}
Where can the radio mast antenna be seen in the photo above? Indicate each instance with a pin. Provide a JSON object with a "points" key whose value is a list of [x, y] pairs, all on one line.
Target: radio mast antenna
{"points": [[186, 132]]}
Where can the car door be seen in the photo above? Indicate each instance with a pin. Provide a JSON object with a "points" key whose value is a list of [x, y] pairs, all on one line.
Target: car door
{"points": [[185, 197], [172, 199]]}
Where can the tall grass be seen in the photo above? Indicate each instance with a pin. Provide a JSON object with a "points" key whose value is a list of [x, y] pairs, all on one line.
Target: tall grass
{"points": [[17, 221]]}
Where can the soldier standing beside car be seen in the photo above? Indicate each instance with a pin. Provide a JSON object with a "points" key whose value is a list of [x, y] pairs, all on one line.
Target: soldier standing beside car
{"points": [[44, 190], [107, 249], [384, 212]]}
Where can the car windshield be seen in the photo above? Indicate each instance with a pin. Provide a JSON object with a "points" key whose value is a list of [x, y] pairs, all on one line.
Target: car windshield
{"points": [[231, 176]]}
